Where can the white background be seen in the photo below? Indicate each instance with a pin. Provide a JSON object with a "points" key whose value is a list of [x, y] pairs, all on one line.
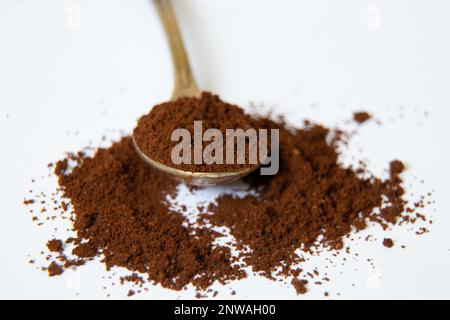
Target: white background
{"points": [[64, 83]]}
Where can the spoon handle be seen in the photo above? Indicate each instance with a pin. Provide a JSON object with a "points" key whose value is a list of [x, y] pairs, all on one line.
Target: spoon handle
{"points": [[185, 84]]}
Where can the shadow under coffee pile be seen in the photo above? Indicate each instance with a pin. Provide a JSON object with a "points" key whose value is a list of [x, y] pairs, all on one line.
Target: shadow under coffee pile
{"points": [[121, 212]]}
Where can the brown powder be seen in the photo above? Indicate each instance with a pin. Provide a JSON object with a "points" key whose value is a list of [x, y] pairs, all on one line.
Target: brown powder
{"points": [[299, 285], [396, 167], [85, 250], [54, 269], [55, 245], [28, 202], [121, 210], [361, 116], [312, 196], [133, 278], [388, 243], [154, 130]]}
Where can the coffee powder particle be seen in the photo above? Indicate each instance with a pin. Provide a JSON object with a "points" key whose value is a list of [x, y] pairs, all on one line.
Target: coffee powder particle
{"points": [[55, 245], [28, 202], [388, 243], [54, 269], [133, 278], [85, 250]]}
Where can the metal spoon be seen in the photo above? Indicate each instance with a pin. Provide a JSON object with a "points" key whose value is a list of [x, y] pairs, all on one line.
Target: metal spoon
{"points": [[184, 86]]}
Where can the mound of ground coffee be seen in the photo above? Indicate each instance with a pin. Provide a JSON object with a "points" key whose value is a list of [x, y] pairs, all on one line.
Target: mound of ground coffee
{"points": [[121, 211], [154, 130]]}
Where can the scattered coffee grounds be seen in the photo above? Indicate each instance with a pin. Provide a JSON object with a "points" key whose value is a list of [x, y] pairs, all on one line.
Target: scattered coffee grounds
{"points": [[122, 214], [388, 243], [55, 245], [133, 278], [361, 117], [154, 130], [28, 202], [54, 269]]}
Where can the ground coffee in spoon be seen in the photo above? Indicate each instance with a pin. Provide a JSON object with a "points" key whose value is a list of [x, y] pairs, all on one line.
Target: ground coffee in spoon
{"points": [[121, 212], [154, 130]]}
